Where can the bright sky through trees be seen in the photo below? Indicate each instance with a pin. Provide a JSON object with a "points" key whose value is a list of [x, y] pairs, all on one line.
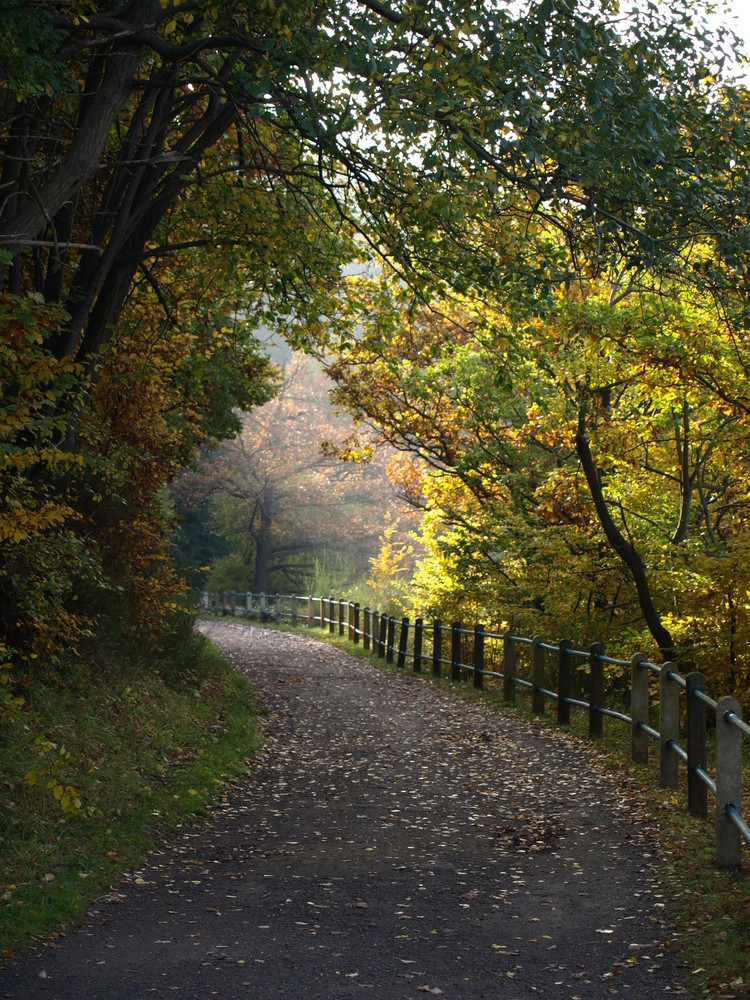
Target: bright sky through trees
{"points": [[739, 20]]}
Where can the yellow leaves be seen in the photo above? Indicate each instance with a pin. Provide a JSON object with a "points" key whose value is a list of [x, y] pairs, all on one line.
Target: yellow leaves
{"points": [[19, 525]]}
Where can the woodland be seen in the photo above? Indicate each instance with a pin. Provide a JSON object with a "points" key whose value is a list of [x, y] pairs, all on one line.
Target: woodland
{"points": [[516, 237]]}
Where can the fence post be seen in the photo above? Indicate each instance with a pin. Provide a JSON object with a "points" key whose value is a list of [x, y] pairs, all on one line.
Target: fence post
{"points": [[262, 607], [403, 639], [456, 651], [728, 783], [278, 609], [563, 681], [367, 628], [310, 612], [391, 641], [437, 648], [294, 610], [321, 622], [537, 675], [331, 616], [669, 726], [639, 712], [418, 628], [350, 621], [696, 743], [341, 616], [479, 656], [356, 622], [233, 603], [248, 605], [376, 632], [596, 689], [382, 636], [509, 668]]}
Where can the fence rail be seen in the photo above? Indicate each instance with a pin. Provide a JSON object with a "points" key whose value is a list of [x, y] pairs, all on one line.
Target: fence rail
{"points": [[559, 674]]}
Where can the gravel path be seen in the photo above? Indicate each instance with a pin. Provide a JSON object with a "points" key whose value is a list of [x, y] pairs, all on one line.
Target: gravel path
{"points": [[393, 841]]}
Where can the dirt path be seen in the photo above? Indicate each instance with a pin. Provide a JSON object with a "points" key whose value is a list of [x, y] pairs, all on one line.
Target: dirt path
{"points": [[394, 841]]}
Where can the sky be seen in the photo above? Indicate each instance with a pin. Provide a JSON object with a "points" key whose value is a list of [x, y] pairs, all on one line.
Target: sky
{"points": [[739, 19]]}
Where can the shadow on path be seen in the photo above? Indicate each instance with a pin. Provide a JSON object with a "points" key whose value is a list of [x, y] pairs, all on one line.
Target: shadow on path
{"points": [[392, 841]]}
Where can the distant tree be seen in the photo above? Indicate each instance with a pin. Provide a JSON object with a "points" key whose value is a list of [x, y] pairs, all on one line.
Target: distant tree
{"points": [[281, 495]]}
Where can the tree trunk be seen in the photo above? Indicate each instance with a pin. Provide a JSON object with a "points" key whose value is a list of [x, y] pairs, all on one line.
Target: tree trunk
{"points": [[263, 553], [627, 553]]}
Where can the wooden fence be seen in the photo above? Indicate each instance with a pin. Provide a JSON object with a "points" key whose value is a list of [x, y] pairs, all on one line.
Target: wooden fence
{"points": [[559, 674]]}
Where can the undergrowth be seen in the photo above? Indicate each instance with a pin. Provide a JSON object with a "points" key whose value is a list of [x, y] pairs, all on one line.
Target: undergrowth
{"points": [[137, 748]]}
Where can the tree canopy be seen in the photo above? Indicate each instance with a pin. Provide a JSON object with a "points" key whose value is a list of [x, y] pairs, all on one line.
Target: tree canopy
{"points": [[174, 173]]}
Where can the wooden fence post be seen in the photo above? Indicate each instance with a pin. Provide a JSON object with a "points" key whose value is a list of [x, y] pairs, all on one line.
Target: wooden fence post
{"points": [[728, 783], [418, 629], [376, 632], [596, 689], [403, 640], [537, 675], [479, 656], [509, 668], [341, 615], [332, 617], [278, 609], [321, 622], [350, 621], [294, 611], [563, 681], [262, 606], [248, 605], [696, 743], [366, 628], [391, 641], [669, 726], [382, 636], [639, 710], [437, 648], [310, 612], [355, 609], [456, 651], [233, 604]]}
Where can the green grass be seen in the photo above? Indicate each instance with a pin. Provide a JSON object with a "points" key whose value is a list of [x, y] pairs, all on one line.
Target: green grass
{"points": [[145, 750], [709, 907]]}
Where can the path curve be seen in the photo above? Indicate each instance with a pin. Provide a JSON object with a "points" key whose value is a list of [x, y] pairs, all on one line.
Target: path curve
{"points": [[393, 841]]}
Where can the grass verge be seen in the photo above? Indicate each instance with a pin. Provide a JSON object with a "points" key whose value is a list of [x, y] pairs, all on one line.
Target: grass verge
{"points": [[709, 908], [132, 755]]}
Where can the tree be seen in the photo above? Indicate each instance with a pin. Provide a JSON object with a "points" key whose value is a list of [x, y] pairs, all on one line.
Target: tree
{"points": [[142, 146], [282, 495], [576, 469]]}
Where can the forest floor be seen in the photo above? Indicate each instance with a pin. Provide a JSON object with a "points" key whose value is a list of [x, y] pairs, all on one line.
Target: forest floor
{"points": [[391, 840]]}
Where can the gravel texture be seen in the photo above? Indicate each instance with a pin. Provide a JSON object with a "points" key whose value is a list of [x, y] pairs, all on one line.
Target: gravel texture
{"points": [[390, 840]]}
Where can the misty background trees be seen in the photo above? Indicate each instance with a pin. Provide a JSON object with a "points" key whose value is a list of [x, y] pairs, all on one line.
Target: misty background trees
{"points": [[295, 516]]}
